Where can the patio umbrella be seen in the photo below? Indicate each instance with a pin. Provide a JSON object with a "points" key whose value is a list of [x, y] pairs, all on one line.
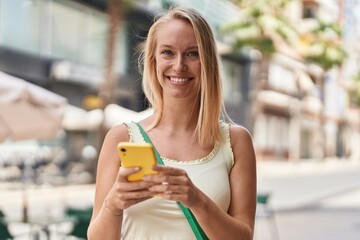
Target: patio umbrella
{"points": [[78, 119], [115, 114], [28, 111]]}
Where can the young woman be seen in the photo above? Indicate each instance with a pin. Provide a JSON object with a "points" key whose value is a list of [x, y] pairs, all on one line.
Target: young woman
{"points": [[210, 166]]}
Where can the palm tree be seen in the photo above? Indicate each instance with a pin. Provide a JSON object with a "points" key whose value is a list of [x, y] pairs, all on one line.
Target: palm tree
{"points": [[115, 14], [106, 91]]}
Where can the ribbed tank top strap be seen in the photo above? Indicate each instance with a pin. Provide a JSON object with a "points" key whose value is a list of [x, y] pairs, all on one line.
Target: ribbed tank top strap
{"points": [[134, 133], [226, 146]]}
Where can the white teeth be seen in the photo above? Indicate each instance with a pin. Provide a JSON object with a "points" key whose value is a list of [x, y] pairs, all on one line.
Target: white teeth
{"points": [[179, 80]]}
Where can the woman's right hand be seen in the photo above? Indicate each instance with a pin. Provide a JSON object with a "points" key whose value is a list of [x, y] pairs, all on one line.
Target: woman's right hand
{"points": [[124, 193]]}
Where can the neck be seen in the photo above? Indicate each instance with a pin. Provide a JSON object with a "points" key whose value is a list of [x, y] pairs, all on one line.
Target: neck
{"points": [[179, 114]]}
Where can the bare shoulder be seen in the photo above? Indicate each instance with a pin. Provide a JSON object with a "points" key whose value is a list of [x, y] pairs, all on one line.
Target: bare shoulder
{"points": [[113, 137], [118, 133], [109, 163], [239, 134], [241, 142]]}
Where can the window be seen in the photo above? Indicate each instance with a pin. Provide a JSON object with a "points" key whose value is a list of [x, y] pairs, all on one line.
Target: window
{"points": [[20, 25], [79, 33], [60, 29], [282, 79], [68, 27], [231, 81], [94, 39], [310, 9], [271, 134]]}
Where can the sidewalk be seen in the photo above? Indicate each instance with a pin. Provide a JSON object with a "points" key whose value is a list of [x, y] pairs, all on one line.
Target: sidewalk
{"points": [[298, 184], [312, 200], [270, 169]]}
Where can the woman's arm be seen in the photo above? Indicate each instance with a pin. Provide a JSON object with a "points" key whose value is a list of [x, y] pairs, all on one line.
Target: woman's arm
{"points": [[113, 192], [105, 225], [238, 223]]}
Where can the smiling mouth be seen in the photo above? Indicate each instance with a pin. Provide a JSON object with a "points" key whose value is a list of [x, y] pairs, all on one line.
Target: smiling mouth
{"points": [[179, 80]]}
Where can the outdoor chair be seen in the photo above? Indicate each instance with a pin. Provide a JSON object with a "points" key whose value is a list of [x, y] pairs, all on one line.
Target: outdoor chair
{"points": [[76, 212], [81, 221], [4, 231], [264, 210], [81, 225]]}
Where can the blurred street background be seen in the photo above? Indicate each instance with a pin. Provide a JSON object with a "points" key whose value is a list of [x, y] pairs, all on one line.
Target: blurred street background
{"points": [[291, 75]]}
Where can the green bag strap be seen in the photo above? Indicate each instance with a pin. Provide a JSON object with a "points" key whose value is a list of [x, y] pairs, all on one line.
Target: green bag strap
{"points": [[196, 228]]}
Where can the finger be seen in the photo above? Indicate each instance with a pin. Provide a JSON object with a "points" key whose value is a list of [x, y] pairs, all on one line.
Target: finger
{"points": [[144, 194], [182, 198], [170, 196], [174, 197], [169, 170], [129, 203], [168, 179], [168, 188], [133, 186], [125, 172]]}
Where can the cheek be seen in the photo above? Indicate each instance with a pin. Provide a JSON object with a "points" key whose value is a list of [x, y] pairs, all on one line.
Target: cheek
{"points": [[161, 67], [158, 74], [158, 71], [197, 70]]}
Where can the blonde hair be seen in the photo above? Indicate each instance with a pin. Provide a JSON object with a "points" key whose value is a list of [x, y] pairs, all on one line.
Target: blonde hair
{"points": [[211, 104]]}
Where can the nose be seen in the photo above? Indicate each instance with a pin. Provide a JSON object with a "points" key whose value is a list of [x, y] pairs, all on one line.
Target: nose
{"points": [[180, 65]]}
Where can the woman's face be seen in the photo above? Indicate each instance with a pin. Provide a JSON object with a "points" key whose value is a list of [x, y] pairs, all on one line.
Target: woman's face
{"points": [[178, 65]]}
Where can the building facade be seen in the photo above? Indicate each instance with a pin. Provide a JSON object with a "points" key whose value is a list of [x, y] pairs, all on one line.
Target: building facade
{"points": [[61, 45], [294, 111], [301, 110]]}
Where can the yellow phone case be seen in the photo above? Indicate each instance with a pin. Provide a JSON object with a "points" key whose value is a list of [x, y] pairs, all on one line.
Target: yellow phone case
{"points": [[137, 155]]}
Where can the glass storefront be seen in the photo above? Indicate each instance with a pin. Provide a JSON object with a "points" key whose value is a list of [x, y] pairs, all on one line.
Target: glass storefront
{"points": [[20, 25], [60, 29]]}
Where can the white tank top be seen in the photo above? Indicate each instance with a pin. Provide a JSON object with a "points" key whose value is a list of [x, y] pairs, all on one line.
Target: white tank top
{"points": [[159, 219]]}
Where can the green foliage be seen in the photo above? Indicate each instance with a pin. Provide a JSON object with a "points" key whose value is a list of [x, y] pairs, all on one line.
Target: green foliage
{"points": [[263, 25], [255, 12], [323, 27], [328, 58], [326, 48], [259, 24]]}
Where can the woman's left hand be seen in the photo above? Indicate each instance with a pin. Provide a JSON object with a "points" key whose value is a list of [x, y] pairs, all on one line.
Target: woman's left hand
{"points": [[174, 184]]}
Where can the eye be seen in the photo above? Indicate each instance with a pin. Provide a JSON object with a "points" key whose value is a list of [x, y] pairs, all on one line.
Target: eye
{"points": [[193, 54], [167, 52]]}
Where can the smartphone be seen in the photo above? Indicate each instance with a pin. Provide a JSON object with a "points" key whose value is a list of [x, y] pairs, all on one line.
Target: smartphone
{"points": [[137, 155]]}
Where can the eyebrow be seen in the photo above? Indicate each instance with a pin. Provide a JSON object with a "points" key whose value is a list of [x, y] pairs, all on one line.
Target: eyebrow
{"points": [[169, 46]]}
